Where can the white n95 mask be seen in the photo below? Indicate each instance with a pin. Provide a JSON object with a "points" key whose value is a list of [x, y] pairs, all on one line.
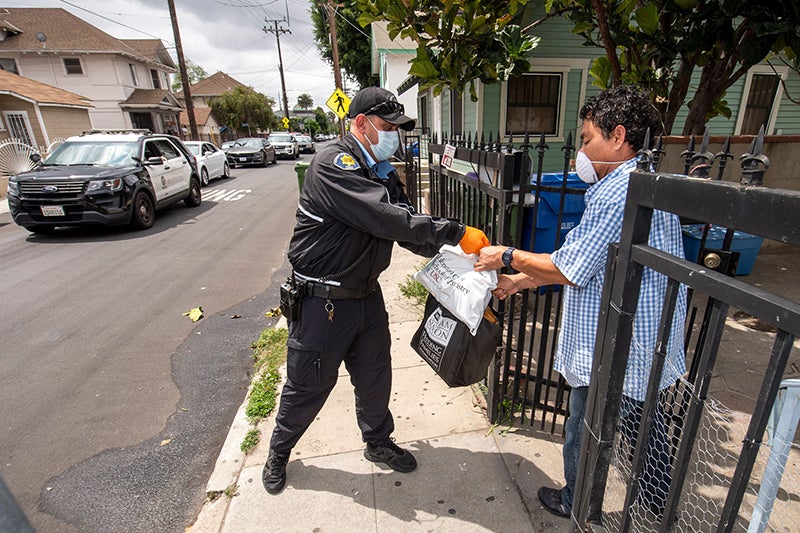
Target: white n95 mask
{"points": [[584, 168]]}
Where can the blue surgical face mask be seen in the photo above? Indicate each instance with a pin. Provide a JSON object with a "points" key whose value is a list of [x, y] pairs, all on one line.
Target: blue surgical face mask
{"points": [[388, 143]]}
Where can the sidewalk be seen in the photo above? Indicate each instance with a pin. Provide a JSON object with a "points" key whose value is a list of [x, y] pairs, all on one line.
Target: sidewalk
{"points": [[469, 477]]}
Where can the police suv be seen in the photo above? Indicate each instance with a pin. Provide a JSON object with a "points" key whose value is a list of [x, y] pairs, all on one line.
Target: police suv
{"points": [[105, 177]]}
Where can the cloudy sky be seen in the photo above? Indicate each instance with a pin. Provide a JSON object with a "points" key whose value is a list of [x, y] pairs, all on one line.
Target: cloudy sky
{"points": [[224, 35]]}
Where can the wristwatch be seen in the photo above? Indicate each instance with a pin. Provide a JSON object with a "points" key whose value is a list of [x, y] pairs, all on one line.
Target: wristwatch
{"points": [[508, 256]]}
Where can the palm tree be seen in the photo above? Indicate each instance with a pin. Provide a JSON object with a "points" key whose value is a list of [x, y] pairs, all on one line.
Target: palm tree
{"points": [[305, 102]]}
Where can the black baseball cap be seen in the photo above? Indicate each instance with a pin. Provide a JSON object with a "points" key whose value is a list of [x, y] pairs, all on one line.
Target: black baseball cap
{"points": [[382, 103]]}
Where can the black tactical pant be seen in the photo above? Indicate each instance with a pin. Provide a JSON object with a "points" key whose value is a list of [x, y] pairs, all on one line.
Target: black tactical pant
{"points": [[357, 335]]}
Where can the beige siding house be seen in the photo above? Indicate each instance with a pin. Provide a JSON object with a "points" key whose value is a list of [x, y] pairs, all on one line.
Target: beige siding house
{"points": [[37, 113], [127, 80]]}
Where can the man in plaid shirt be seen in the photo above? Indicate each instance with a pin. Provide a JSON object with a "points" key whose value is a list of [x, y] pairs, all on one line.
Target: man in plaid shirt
{"points": [[613, 131]]}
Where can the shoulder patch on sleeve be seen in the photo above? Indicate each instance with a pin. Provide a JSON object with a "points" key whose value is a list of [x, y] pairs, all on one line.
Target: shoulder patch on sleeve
{"points": [[346, 162]]}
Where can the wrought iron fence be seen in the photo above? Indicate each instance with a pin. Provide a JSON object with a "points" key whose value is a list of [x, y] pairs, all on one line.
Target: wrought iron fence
{"points": [[490, 185]]}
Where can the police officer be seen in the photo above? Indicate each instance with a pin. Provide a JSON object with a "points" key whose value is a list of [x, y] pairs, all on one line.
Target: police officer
{"points": [[352, 210]]}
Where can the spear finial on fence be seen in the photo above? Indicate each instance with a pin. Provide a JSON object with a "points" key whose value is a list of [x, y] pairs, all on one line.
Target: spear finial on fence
{"points": [[723, 156], [687, 155], [658, 152], [645, 154], [445, 138], [510, 145], [701, 161], [468, 144], [568, 149], [752, 162], [434, 138], [482, 145], [542, 146]]}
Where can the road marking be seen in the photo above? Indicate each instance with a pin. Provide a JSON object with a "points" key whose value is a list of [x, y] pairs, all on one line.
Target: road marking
{"points": [[218, 195]]}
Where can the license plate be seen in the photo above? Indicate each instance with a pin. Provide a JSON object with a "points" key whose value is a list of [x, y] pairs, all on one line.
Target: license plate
{"points": [[52, 210], [242, 159]]}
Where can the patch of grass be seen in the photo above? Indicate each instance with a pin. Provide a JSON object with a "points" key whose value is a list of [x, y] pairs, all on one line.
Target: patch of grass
{"points": [[250, 440], [413, 289], [262, 396], [231, 490], [270, 348], [269, 354]]}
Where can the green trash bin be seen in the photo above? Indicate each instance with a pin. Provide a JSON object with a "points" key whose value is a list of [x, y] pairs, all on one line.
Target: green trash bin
{"points": [[300, 167]]}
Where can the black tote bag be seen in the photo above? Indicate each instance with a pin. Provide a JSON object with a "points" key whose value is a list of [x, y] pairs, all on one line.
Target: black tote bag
{"points": [[446, 344]]}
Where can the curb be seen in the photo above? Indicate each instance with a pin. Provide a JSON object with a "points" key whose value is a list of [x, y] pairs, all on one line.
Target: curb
{"points": [[229, 465]]}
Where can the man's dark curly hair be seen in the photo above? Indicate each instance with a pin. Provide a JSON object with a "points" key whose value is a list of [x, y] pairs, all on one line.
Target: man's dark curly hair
{"points": [[624, 105]]}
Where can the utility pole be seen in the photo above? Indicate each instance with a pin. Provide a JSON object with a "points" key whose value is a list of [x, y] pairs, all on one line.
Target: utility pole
{"points": [[187, 93], [277, 31], [337, 74]]}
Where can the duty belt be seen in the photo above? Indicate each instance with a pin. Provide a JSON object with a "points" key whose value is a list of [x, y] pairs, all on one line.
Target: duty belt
{"points": [[322, 290]]}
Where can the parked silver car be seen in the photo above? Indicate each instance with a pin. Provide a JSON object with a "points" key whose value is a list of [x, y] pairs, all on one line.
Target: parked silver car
{"points": [[251, 151], [305, 144]]}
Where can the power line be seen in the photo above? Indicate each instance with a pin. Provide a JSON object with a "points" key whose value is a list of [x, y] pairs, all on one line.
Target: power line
{"points": [[114, 21]]}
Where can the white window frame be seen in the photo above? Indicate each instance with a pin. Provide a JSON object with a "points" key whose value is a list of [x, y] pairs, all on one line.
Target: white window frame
{"points": [[134, 76], [26, 123], [562, 100], [66, 70], [783, 73]]}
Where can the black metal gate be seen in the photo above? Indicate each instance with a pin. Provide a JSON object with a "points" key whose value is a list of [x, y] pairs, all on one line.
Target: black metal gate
{"points": [[496, 191], [607, 460]]}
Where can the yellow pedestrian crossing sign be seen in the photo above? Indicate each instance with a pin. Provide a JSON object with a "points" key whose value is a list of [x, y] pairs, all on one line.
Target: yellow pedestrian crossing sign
{"points": [[285, 122], [339, 103]]}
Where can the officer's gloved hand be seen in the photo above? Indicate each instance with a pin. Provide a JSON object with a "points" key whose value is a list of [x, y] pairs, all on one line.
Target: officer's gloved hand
{"points": [[473, 240]]}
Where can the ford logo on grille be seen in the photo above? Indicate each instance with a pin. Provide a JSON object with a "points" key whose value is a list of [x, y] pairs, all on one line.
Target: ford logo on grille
{"points": [[50, 188]]}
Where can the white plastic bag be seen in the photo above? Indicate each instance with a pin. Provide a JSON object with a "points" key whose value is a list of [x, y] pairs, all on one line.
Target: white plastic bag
{"points": [[451, 279]]}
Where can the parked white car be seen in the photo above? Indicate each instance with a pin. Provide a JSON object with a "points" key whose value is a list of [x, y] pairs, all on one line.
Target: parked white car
{"points": [[211, 161]]}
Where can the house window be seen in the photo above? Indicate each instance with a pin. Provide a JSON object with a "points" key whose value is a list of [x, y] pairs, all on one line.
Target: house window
{"points": [[72, 66], [533, 104], [9, 64], [758, 107], [134, 79], [20, 127], [156, 79]]}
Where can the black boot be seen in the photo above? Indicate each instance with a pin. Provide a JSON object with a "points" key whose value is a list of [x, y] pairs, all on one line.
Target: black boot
{"points": [[274, 474]]}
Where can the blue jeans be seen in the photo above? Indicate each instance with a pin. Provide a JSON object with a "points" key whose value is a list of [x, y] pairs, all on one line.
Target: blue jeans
{"points": [[572, 445], [656, 476]]}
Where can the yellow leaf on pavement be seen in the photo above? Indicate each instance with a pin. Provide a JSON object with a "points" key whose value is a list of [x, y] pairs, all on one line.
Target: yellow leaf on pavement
{"points": [[195, 314]]}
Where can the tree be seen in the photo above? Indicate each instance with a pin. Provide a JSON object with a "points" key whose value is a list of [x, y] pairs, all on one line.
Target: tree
{"points": [[658, 44], [243, 105], [354, 44], [459, 41], [194, 72], [304, 101], [322, 119]]}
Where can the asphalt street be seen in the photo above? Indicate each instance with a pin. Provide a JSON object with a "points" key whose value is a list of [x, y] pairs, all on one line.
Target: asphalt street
{"points": [[115, 403]]}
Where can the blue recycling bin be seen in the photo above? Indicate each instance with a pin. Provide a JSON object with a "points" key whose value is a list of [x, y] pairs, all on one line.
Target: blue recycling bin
{"points": [[543, 238], [746, 244]]}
